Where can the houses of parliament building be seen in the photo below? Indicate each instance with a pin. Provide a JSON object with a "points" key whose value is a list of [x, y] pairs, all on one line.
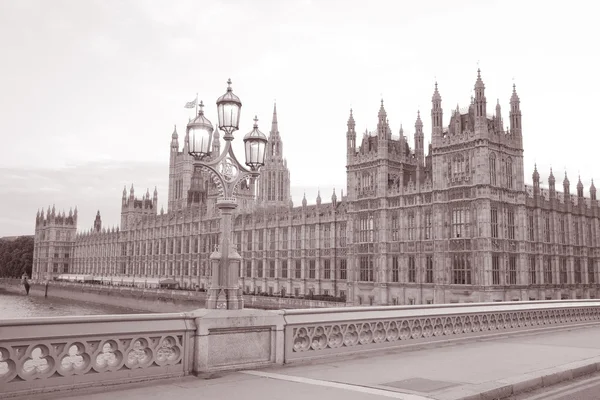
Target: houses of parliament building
{"points": [[455, 224]]}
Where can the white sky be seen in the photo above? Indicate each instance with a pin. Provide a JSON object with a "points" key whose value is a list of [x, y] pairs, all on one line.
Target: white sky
{"points": [[90, 90]]}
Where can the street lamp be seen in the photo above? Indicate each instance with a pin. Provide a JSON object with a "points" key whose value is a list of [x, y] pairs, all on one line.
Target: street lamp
{"points": [[224, 291]]}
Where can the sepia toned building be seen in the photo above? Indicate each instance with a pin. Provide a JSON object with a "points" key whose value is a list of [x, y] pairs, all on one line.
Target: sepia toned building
{"points": [[457, 224]]}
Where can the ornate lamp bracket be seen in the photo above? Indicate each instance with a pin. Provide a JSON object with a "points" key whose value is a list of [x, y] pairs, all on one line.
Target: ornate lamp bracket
{"points": [[226, 171]]}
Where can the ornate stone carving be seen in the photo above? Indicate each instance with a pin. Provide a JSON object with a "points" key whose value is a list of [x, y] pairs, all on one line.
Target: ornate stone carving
{"points": [[21, 363], [324, 337]]}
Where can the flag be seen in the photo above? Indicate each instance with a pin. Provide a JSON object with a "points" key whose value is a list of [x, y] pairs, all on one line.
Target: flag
{"points": [[191, 104]]}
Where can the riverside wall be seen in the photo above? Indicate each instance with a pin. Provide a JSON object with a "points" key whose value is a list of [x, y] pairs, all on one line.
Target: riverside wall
{"points": [[150, 300]]}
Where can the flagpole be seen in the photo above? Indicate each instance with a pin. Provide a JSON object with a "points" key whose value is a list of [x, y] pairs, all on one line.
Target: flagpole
{"points": [[196, 105]]}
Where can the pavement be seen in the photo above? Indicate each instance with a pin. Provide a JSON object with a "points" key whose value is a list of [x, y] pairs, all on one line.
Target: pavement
{"points": [[484, 369], [584, 388]]}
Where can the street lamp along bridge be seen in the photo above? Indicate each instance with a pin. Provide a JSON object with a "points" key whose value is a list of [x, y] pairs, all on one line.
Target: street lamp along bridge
{"points": [[227, 173]]}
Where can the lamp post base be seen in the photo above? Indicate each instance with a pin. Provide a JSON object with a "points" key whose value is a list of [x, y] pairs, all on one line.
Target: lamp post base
{"points": [[225, 293], [224, 299]]}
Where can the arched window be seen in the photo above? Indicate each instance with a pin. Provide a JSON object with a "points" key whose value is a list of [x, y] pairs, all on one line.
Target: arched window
{"points": [[493, 169], [509, 173]]}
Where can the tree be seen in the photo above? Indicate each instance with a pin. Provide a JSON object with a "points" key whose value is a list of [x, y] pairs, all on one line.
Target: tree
{"points": [[16, 257]]}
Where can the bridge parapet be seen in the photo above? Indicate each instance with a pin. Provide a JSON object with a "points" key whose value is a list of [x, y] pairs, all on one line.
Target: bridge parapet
{"points": [[322, 333], [39, 355], [60, 353]]}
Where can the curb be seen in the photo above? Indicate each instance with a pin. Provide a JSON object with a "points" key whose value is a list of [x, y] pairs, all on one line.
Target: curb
{"points": [[503, 388]]}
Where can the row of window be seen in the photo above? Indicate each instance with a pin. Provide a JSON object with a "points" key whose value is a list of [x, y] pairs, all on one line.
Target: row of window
{"points": [[581, 231], [546, 274], [203, 269]]}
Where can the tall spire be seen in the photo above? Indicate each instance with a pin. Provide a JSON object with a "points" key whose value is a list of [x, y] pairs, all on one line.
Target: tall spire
{"points": [[274, 125], [437, 114], [479, 82], [515, 112], [175, 139], [419, 123], [436, 94], [351, 123]]}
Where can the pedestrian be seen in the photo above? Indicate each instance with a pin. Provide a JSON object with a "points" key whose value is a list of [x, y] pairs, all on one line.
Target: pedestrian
{"points": [[25, 283]]}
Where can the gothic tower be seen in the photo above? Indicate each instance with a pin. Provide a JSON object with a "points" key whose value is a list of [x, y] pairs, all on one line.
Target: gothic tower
{"points": [[274, 181], [53, 244]]}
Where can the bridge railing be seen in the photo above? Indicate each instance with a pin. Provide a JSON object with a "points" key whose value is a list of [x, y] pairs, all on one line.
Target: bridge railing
{"points": [[328, 332], [57, 353], [39, 355]]}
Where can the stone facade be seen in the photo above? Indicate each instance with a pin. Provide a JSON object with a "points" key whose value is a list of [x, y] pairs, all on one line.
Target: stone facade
{"points": [[456, 225]]}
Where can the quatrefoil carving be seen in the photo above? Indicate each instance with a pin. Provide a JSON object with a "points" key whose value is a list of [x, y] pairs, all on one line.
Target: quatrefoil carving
{"points": [[7, 366], [109, 358], [39, 364], [139, 355], [75, 361], [167, 352]]}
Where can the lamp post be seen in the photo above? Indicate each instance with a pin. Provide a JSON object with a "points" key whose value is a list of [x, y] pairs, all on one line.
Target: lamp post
{"points": [[227, 173]]}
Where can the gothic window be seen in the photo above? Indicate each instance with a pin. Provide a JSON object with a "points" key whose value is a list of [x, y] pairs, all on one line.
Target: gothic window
{"points": [[281, 186], [576, 232], [512, 270], [284, 238], [365, 228], [249, 269], [366, 269], [395, 226], [561, 222], [249, 240], [326, 230], [298, 234], [284, 269], [589, 233], [343, 234], [428, 226], [260, 234], [563, 270], [510, 216], [298, 269], [577, 270], [493, 169], [429, 269], [530, 225], [259, 269], [272, 243], [311, 237], [547, 270], [546, 227], [312, 269], [395, 269], [591, 271], [412, 270], [460, 222], [411, 226], [366, 182], [532, 276], [495, 269], [271, 188], [461, 269], [509, 173], [326, 269], [271, 269], [494, 222], [343, 270], [459, 164]]}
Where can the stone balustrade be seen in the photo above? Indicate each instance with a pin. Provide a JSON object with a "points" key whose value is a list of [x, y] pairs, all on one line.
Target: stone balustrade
{"points": [[45, 354], [57, 353], [326, 332]]}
